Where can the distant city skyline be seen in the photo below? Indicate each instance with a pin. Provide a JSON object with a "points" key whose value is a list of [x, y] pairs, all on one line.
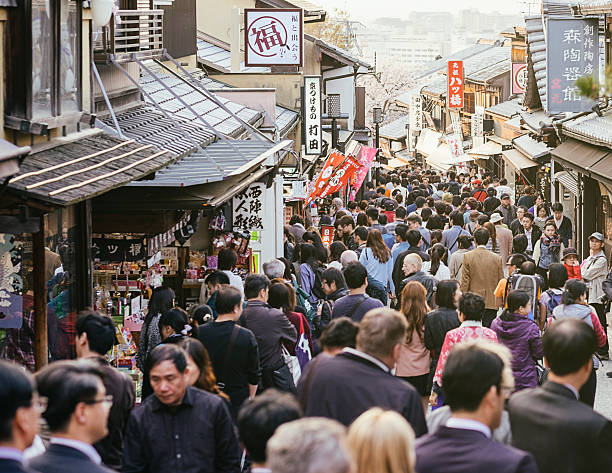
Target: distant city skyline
{"points": [[369, 10]]}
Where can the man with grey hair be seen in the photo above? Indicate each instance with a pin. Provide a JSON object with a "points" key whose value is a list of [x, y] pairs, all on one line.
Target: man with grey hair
{"points": [[347, 257], [312, 445], [345, 386], [274, 268]]}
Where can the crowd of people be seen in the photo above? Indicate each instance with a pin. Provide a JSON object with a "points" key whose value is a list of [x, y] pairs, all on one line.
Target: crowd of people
{"points": [[445, 329]]}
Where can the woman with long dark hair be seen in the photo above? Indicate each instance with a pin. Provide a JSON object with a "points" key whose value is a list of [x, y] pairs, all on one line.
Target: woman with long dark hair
{"points": [[162, 299], [174, 326], [201, 374], [308, 269], [376, 257], [335, 251], [312, 236], [437, 266], [492, 243], [574, 306], [522, 337], [413, 363]]}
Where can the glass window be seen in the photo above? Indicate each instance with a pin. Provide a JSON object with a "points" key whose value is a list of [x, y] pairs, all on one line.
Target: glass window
{"points": [[69, 57], [42, 33]]}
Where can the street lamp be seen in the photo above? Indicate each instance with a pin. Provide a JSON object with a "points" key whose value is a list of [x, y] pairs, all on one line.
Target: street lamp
{"points": [[377, 118], [334, 112]]}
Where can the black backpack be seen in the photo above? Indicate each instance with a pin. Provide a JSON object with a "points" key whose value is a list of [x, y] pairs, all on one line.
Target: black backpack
{"points": [[317, 289]]}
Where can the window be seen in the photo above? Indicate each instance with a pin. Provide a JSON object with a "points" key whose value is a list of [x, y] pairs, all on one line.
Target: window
{"points": [[43, 68], [469, 105]]}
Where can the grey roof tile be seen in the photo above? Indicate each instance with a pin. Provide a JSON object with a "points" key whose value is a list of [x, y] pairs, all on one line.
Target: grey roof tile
{"points": [[507, 109], [441, 64], [531, 147], [591, 128], [220, 58], [396, 129]]}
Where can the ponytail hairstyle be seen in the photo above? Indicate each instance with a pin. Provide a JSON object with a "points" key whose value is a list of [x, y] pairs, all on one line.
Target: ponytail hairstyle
{"points": [[178, 320], [492, 233], [574, 288], [438, 255]]}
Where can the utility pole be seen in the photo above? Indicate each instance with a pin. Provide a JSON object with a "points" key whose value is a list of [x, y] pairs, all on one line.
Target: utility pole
{"points": [[377, 119]]}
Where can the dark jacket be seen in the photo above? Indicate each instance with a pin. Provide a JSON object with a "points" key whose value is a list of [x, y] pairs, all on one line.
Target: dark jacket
{"points": [[490, 204], [563, 434], [195, 437], [536, 234], [349, 242], [13, 466], [121, 387], [398, 273], [508, 214], [270, 327], [606, 285], [450, 450], [326, 308], [437, 323], [522, 337], [346, 385], [425, 279], [62, 459]]}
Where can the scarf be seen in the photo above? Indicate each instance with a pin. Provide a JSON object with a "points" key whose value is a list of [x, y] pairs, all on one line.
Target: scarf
{"points": [[553, 243]]}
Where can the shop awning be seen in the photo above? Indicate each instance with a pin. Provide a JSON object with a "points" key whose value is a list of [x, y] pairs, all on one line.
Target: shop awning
{"points": [[201, 167], [9, 158], [405, 159], [530, 147], [518, 160], [428, 141], [490, 148], [85, 166], [442, 159], [500, 140], [396, 129], [579, 156], [568, 180], [235, 187]]}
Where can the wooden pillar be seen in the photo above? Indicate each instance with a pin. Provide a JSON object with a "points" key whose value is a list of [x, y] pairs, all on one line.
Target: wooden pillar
{"points": [[41, 343]]}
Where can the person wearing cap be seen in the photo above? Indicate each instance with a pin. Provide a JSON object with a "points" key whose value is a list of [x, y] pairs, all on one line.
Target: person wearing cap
{"points": [[504, 238], [507, 209], [571, 263], [479, 193], [594, 270]]}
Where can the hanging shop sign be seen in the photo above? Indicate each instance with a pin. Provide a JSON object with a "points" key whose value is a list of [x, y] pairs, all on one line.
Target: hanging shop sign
{"points": [[327, 235], [11, 282], [416, 112], [248, 212], [273, 37], [572, 52], [455, 145], [311, 110], [117, 249], [455, 84], [519, 78], [335, 175]]}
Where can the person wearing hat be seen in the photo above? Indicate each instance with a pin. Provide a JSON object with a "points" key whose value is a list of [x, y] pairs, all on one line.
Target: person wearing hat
{"points": [[507, 209], [571, 263], [594, 270], [479, 193], [504, 238]]}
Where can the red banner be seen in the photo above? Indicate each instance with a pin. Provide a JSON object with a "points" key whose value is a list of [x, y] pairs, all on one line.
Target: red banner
{"points": [[366, 159], [455, 84], [327, 235], [335, 175]]}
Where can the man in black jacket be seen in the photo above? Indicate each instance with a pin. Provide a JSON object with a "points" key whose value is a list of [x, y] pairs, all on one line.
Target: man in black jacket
{"points": [[531, 231], [77, 416], [271, 328], [19, 416], [346, 385], [563, 434], [95, 337], [414, 239]]}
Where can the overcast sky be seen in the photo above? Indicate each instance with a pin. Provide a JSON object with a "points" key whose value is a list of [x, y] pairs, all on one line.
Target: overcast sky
{"points": [[370, 9]]}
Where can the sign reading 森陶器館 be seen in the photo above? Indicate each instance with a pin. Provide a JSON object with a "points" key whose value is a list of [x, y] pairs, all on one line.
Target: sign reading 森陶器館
{"points": [[247, 206], [455, 90], [273, 37], [311, 110], [572, 53]]}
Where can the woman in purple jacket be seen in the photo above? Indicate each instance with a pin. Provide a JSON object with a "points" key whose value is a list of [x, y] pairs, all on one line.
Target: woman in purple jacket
{"points": [[522, 337]]}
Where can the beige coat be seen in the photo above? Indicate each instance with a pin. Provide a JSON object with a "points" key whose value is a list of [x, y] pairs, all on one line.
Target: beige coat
{"points": [[482, 270], [504, 240]]}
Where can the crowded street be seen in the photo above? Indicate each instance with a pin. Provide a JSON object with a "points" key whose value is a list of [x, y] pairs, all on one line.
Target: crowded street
{"points": [[305, 236]]}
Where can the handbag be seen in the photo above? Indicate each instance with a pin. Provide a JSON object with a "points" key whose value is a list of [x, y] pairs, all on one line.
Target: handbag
{"points": [[542, 372], [293, 364], [302, 348]]}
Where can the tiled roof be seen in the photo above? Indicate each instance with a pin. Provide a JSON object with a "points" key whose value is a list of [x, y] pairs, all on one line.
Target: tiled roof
{"points": [[343, 54], [219, 58], [148, 125], [591, 128], [404, 99], [437, 87], [491, 72], [396, 129], [514, 122], [441, 64], [533, 119], [203, 106], [531, 147], [80, 169], [507, 109]]}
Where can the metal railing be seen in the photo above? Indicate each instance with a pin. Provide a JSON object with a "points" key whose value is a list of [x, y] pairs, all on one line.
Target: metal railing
{"points": [[130, 35]]}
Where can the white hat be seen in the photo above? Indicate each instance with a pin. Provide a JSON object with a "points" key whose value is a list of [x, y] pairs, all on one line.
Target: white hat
{"points": [[495, 217]]}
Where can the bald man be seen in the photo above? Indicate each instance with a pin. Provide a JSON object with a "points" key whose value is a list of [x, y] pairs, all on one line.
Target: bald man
{"points": [[412, 269]]}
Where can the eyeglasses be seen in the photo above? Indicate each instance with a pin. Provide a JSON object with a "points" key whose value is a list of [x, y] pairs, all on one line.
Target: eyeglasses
{"points": [[108, 399]]}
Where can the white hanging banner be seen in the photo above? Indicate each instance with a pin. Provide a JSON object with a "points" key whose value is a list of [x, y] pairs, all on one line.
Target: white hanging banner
{"points": [[311, 111]]}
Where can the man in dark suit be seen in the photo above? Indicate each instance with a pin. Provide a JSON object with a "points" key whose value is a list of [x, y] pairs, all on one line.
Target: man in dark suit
{"points": [[77, 416], [563, 434], [95, 337], [345, 386], [477, 378], [19, 416]]}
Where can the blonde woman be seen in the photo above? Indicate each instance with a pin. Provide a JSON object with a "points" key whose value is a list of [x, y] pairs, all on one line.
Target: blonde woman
{"points": [[382, 442]]}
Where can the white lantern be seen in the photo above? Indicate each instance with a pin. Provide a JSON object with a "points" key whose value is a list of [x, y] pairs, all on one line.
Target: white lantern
{"points": [[101, 10]]}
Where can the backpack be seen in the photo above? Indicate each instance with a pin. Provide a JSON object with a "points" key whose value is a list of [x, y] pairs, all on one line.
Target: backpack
{"points": [[302, 300], [526, 283], [480, 195], [317, 288], [553, 301]]}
